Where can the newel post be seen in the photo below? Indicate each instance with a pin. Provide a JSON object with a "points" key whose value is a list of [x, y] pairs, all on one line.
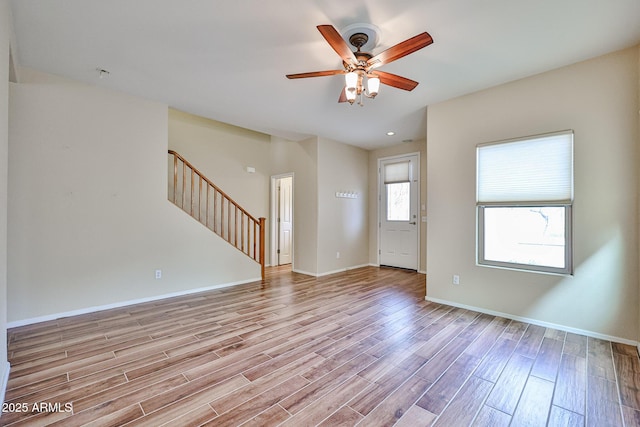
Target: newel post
{"points": [[262, 226]]}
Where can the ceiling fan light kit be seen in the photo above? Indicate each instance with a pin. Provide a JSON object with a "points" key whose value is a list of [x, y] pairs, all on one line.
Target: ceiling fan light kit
{"points": [[354, 86], [360, 79]]}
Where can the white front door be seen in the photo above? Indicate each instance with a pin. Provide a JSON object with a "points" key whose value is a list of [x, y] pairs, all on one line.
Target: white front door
{"points": [[398, 191], [285, 220]]}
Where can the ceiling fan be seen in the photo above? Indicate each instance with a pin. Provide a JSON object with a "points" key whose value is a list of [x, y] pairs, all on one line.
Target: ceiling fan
{"points": [[359, 66]]}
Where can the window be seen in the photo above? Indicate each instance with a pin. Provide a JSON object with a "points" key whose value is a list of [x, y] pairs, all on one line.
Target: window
{"points": [[524, 201], [398, 186], [398, 201]]}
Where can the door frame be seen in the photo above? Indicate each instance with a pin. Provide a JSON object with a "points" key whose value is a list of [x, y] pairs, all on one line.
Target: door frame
{"points": [[418, 202], [274, 217]]}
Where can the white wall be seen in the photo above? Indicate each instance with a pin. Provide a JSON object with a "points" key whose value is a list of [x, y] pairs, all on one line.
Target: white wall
{"points": [[89, 219], [343, 223], [419, 146], [5, 36], [222, 153], [598, 99]]}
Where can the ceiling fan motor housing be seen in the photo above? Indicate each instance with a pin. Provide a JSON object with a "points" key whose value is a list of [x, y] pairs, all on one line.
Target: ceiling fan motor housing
{"points": [[370, 31], [358, 40]]}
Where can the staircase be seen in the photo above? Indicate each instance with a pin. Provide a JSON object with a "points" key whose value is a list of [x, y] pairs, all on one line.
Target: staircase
{"points": [[195, 194]]}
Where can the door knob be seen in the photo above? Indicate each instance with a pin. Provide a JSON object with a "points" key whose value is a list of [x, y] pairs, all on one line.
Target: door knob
{"points": [[413, 223]]}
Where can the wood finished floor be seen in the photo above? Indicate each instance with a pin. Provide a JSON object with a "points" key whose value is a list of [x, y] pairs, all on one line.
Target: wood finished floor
{"points": [[357, 348]]}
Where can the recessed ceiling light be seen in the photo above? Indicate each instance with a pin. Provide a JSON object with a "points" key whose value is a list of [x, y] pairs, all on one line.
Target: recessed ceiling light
{"points": [[391, 133]]}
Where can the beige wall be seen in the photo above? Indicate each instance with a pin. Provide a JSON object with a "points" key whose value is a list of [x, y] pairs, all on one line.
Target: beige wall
{"points": [[89, 219], [598, 99], [5, 36], [324, 224], [343, 223], [301, 159], [419, 146], [89, 169], [222, 153], [97, 223]]}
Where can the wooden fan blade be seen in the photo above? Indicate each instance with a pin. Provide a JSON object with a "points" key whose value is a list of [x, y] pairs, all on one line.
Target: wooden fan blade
{"points": [[401, 49], [315, 74], [335, 40], [343, 95], [396, 81]]}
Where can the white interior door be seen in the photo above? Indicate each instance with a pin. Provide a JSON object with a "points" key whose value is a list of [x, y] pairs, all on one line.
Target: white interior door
{"points": [[285, 220], [398, 190]]}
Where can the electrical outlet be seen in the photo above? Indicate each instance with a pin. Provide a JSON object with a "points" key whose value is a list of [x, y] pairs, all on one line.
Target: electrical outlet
{"points": [[456, 279], [337, 255], [158, 274]]}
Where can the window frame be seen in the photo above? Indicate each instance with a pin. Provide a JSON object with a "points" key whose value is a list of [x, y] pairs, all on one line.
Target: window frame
{"points": [[568, 217]]}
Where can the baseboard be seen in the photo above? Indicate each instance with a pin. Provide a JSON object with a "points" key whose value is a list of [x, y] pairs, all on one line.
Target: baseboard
{"points": [[537, 322], [327, 273], [3, 382], [357, 266], [417, 271], [342, 270], [306, 273], [55, 316]]}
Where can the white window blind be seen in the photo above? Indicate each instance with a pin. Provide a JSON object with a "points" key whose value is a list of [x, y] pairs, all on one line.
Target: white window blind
{"points": [[396, 172], [534, 169]]}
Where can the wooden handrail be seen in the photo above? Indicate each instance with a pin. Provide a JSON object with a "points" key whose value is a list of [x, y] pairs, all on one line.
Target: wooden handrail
{"points": [[239, 228]]}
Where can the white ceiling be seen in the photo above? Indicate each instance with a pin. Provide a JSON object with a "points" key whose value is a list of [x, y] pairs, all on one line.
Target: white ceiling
{"points": [[227, 60]]}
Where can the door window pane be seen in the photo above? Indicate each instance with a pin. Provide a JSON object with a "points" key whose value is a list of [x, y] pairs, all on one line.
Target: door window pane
{"points": [[525, 235], [398, 201]]}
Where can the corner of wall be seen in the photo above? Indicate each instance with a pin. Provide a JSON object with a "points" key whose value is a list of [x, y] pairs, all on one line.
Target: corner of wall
{"points": [[7, 43], [4, 379], [638, 163]]}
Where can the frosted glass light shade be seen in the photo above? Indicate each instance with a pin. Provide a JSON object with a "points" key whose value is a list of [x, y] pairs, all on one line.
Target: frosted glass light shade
{"points": [[351, 81], [351, 94], [373, 85]]}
